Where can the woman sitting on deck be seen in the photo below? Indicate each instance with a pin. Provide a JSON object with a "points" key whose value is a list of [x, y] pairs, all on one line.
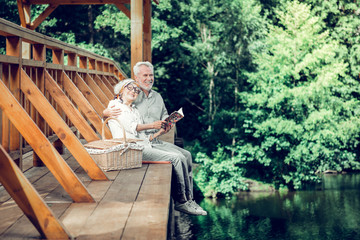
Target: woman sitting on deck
{"points": [[126, 93]]}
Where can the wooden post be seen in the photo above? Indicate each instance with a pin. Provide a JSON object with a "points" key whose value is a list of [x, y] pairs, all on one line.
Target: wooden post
{"points": [[5, 122], [72, 59], [92, 64], [26, 50], [147, 30], [30, 202], [137, 46], [39, 54], [58, 58], [83, 62], [14, 48]]}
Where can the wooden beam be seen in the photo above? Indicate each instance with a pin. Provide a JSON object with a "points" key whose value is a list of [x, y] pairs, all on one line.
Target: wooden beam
{"points": [[29, 200], [124, 9], [105, 86], [112, 81], [108, 84], [79, 2], [84, 105], [89, 95], [76, 2], [41, 145], [43, 16], [24, 13], [137, 47], [147, 30], [96, 89], [58, 125]]}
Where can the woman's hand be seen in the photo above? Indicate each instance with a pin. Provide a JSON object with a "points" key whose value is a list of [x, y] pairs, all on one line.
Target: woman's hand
{"points": [[161, 131], [157, 124], [112, 112]]}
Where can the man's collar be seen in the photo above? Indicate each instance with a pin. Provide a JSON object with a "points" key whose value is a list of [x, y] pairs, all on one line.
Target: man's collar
{"points": [[151, 92]]}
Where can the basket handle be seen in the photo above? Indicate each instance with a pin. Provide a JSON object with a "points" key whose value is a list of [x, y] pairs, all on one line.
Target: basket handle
{"points": [[103, 128]]}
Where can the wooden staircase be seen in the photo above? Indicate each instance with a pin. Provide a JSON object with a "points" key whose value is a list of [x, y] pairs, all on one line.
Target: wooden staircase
{"points": [[43, 98]]}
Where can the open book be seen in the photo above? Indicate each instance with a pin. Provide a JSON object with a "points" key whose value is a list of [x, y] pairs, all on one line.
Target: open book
{"points": [[173, 118]]}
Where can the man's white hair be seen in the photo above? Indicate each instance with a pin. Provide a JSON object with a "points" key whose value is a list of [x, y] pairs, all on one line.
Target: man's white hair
{"points": [[138, 64]]}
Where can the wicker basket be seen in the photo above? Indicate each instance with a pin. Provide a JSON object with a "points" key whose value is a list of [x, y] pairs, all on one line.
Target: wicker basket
{"points": [[115, 154]]}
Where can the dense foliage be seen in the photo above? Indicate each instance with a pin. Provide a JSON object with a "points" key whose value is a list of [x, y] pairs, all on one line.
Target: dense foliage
{"points": [[270, 89], [300, 115]]}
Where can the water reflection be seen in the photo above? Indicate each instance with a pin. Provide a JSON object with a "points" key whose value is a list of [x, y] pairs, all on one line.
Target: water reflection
{"points": [[330, 213]]}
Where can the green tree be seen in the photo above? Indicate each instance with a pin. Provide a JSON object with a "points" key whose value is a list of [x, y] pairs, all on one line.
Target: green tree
{"points": [[224, 30], [303, 114], [342, 18]]}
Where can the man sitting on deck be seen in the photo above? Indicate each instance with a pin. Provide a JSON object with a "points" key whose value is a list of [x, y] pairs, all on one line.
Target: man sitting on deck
{"points": [[152, 109]]}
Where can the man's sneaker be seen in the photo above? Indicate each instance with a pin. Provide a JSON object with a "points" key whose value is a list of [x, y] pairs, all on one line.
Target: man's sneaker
{"points": [[197, 207], [187, 208]]}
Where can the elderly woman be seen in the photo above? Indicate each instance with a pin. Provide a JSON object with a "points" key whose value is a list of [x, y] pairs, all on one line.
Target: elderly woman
{"points": [[126, 93]]}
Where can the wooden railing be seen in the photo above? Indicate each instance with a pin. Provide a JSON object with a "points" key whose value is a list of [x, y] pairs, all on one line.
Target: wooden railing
{"points": [[89, 74], [44, 104]]}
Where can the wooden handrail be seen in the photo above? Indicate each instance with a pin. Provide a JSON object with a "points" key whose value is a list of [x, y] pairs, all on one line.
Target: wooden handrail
{"points": [[9, 29]]}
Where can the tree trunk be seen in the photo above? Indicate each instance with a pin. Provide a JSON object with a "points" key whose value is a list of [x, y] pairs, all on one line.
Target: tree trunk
{"points": [[210, 68], [91, 24]]}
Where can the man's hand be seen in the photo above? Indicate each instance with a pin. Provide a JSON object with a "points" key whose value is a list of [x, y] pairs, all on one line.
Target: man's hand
{"points": [[112, 112]]}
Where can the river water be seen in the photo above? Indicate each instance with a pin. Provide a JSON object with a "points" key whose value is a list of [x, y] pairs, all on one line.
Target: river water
{"points": [[331, 211]]}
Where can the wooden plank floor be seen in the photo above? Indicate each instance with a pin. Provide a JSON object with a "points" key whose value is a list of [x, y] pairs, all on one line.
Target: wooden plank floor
{"points": [[134, 204]]}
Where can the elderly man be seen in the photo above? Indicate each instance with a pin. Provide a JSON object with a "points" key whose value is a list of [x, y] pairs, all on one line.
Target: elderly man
{"points": [[153, 111]]}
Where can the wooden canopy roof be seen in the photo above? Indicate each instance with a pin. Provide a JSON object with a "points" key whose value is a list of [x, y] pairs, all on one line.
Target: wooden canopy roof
{"points": [[139, 11]]}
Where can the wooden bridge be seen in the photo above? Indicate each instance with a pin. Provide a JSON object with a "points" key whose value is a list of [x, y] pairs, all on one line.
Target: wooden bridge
{"points": [[51, 103]]}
